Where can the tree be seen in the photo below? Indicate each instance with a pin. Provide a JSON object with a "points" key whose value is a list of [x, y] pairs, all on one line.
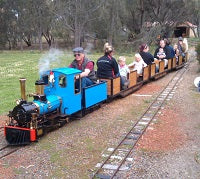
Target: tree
{"points": [[76, 14], [8, 24], [167, 13]]}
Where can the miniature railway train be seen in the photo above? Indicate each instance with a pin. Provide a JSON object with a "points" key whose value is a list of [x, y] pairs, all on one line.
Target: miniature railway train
{"points": [[56, 99]]}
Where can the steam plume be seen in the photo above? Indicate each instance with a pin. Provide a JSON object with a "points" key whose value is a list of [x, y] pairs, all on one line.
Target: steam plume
{"points": [[88, 48], [53, 55]]}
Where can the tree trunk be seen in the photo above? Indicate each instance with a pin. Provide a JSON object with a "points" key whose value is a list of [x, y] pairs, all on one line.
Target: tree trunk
{"points": [[49, 38], [77, 39], [14, 43], [40, 39], [21, 44], [77, 33], [142, 13], [198, 29], [9, 45], [111, 29]]}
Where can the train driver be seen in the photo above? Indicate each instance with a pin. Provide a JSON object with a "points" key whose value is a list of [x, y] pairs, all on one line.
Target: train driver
{"points": [[85, 65]]}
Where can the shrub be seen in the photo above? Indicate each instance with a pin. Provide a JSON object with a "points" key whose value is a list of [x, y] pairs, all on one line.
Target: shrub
{"points": [[198, 52]]}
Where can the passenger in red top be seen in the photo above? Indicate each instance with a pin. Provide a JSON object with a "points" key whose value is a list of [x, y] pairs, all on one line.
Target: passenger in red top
{"points": [[85, 65]]}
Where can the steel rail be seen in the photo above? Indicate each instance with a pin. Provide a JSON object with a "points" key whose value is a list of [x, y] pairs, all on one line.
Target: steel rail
{"points": [[148, 123], [9, 152], [156, 99]]}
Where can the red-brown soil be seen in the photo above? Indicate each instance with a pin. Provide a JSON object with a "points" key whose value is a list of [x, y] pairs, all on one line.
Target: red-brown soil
{"points": [[166, 133], [150, 88]]}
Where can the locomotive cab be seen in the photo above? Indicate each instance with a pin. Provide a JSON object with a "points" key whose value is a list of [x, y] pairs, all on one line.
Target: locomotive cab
{"points": [[63, 85], [67, 86]]}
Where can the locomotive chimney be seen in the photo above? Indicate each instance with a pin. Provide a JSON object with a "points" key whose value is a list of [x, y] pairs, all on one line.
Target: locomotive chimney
{"points": [[23, 88], [39, 87]]}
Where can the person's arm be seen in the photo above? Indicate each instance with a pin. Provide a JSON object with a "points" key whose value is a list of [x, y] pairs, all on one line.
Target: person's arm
{"points": [[127, 69], [89, 67], [150, 57], [177, 52], [155, 54], [131, 65], [85, 73], [144, 64], [184, 48], [167, 53], [115, 67]]}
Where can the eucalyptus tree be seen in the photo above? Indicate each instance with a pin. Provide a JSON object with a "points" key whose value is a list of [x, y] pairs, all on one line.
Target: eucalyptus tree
{"points": [[76, 14], [24, 26], [8, 24], [145, 19], [166, 13], [4, 25]]}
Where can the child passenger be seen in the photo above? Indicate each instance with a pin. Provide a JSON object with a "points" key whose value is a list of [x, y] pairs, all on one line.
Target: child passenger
{"points": [[138, 64], [123, 70], [176, 51], [161, 54]]}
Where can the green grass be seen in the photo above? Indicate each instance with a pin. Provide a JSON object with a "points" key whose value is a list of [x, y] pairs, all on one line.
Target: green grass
{"points": [[14, 65], [193, 39], [18, 64]]}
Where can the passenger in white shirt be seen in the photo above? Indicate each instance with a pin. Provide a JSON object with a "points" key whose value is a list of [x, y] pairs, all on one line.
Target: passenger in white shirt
{"points": [[123, 70], [138, 64]]}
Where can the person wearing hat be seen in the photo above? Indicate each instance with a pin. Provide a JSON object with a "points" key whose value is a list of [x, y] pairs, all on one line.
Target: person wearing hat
{"points": [[181, 47], [85, 65], [107, 66]]}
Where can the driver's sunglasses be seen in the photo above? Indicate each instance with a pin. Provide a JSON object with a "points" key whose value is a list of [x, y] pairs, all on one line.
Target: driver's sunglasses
{"points": [[77, 54]]}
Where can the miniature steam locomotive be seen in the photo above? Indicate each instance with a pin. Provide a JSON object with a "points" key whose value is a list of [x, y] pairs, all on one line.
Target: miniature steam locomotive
{"points": [[57, 98]]}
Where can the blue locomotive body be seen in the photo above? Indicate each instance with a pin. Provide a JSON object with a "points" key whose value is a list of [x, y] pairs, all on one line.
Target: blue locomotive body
{"points": [[63, 86], [57, 97], [73, 99]]}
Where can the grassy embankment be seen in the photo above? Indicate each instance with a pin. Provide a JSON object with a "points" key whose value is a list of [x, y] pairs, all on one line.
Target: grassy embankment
{"points": [[17, 64]]}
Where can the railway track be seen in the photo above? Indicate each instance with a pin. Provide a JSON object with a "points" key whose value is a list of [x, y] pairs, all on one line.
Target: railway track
{"points": [[2, 129], [119, 159], [7, 150]]}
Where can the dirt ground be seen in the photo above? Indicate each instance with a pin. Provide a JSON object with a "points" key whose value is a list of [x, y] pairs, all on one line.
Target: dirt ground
{"points": [[169, 149]]}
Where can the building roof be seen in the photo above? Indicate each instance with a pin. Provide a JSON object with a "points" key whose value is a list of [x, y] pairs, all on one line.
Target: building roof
{"points": [[187, 24]]}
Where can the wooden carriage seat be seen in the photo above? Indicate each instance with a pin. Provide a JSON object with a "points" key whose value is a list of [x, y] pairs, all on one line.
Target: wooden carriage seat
{"points": [[153, 70], [174, 62], [186, 56], [113, 85], [146, 73], [161, 66], [132, 78], [180, 60], [169, 66]]}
